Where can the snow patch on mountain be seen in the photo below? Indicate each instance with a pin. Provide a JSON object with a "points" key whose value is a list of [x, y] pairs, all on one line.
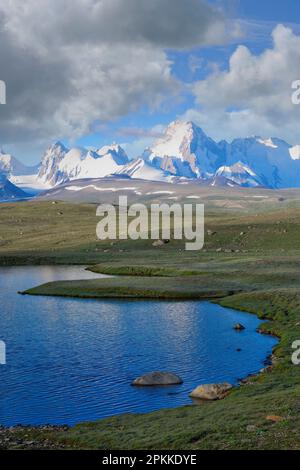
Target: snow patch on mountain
{"points": [[267, 142], [141, 169], [240, 174], [295, 152]]}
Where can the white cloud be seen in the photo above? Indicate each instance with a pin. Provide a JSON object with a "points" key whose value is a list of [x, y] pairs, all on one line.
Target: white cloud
{"points": [[68, 63], [144, 138], [253, 96]]}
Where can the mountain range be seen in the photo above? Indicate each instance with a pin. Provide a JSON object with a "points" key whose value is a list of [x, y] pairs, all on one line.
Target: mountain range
{"points": [[183, 152]]}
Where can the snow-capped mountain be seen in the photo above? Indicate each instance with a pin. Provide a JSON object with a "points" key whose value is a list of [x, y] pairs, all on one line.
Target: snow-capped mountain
{"points": [[184, 151], [49, 169], [269, 159], [8, 191], [9, 165], [60, 164]]}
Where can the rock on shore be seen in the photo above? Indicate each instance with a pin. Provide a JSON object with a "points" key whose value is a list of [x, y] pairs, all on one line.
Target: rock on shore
{"points": [[211, 391]]}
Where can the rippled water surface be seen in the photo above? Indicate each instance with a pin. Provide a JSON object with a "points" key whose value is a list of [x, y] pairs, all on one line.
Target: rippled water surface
{"points": [[72, 360]]}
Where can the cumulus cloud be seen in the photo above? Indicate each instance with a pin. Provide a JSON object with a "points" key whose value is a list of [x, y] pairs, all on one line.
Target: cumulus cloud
{"points": [[142, 138], [139, 132], [253, 96], [69, 63]]}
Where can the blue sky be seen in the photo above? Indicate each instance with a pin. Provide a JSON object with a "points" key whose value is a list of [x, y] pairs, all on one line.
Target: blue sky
{"points": [[260, 18], [87, 81]]}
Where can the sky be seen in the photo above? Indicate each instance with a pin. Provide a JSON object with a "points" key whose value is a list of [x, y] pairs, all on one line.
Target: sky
{"points": [[94, 72]]}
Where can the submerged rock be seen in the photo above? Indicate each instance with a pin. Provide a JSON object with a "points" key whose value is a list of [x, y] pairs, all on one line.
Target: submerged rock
{"points": [[157, 378], [211, 391], [239, 327]]}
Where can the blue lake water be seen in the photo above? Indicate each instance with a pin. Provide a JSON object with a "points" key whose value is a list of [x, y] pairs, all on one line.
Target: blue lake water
{"points": [[72, 360]]}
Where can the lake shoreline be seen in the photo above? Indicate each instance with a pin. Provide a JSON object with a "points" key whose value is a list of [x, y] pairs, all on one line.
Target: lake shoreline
{"points": [[44, 436]]}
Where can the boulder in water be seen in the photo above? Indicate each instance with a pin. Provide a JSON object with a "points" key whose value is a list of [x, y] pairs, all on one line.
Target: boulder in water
{"points": [[157, 378], [239, 327]]}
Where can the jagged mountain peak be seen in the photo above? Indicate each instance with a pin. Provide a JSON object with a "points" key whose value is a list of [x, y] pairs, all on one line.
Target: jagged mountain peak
{"points": [[184, 150], [56, 147], [60, 165]]}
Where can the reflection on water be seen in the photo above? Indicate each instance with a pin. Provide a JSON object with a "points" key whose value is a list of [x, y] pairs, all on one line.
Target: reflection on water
{"points": [[71, 360]]}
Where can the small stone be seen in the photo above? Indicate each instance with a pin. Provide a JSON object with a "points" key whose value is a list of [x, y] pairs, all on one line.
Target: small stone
{"points": [[239, 327]]}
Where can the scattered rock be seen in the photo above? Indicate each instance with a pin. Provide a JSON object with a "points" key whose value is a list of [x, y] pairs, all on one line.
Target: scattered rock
{"points": [[157, 378], [160, 242], [239, 327], [211, 232], [242, 233], [274, 418], [211, 391], [265, 369], [251, 428]]}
